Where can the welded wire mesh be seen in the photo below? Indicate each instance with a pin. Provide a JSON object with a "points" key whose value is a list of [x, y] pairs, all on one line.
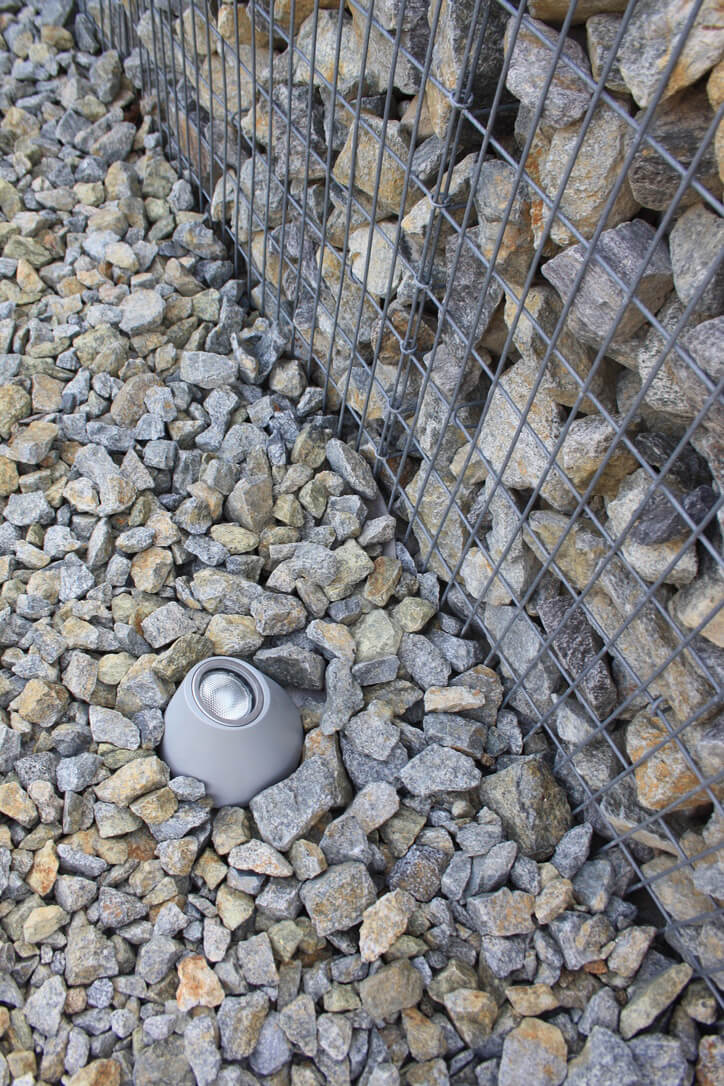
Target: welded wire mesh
{"points": [[463, 215]]}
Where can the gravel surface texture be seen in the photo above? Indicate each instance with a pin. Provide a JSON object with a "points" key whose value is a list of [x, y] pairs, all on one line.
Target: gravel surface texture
{"points": [[415, 903]]}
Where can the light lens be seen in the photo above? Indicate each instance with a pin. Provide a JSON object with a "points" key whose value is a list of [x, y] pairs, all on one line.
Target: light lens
{"points": [[226, 695]]}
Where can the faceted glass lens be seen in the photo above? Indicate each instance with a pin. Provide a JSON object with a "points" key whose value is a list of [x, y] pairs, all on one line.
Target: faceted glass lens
{"points": [[226, 696]]}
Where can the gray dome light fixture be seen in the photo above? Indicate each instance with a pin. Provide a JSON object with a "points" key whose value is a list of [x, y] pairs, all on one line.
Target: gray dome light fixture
{"points": [[233, 728]]}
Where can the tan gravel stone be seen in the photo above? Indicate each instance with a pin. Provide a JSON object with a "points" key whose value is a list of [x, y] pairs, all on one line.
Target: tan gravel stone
{"points": [[413, 613], [8, 477], [653, 998], [41, 703], [665, 775], [44, 870], [532, 999], [506, 912], [198, 984], [383, 922], [452, 699], [17, 804], [260, 857], [365, 164], [210, 868], [97, 1073], [15, 404], [540, 1049], [177, 857], [472, 1013], [424, 1037], [629, 949], [231, 827], [710, 1065], [156, 806], [553, 900], [391, 989], [234, 906], [133, 780], [42, 922], [150, 569]]}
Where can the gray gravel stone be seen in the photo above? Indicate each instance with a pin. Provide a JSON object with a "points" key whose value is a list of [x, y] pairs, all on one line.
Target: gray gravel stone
{"points": [[353, 468], [533, 807], [571, 852], [108, 726], [75, 774], [163, 1062], [105, 76], [272, 1050], [142, 311], [424, 661], [695, 241], [439, 769], [660, 1060], [165, 624], [344, 697], [207, 370], [44, 1009], [292, 666], [337, 899], [156, 958], [604, 1061], [286, 811], [568, 96], [451, 730]]}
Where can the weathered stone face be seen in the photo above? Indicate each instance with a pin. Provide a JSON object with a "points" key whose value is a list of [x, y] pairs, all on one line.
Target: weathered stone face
{"points": [[650, 38], [679, 124], [531, 53], [598, 299], [597, 168], [538, 418], [452, 23]]}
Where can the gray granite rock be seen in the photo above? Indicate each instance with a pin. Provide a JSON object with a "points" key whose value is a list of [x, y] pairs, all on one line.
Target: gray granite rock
{"points": [[285, 811], [43, 1010], [425, 662], [439, 769], [532, 806], [207, 370], [292, 665], [353, 468], [337, 899], [600, 311], [531, 58], [604, 1060]]}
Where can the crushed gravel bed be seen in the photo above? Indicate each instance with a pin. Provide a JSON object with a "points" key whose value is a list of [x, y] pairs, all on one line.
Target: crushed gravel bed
{"points": [[414, 904]]}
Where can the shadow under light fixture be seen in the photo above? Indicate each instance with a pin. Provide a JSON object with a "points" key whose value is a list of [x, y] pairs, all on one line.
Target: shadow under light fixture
{"points": [[233, 728]]}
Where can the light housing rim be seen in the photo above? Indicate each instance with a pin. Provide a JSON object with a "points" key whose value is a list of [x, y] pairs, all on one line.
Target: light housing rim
{"points": [[216, 663]]}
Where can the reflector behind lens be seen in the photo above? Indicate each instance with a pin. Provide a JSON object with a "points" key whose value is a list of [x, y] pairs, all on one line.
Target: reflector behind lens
{"points": [[226, 696]]}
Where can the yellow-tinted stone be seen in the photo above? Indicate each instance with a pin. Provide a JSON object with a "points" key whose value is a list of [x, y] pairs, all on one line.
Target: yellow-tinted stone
{"points": [[17, 804], [44, 870], [42, 922], [665, 776], [198, 984]]}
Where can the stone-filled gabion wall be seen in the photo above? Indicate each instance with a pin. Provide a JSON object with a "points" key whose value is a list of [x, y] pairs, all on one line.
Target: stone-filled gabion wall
{"points": [[496, 235]]}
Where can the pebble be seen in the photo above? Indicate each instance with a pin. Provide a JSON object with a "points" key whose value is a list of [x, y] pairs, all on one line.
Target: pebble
{"points": [[337, 899], [285, 811], [440, 769]]}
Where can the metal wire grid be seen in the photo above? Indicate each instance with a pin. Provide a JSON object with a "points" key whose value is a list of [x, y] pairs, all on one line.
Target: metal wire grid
{"points": [[178, 80]]}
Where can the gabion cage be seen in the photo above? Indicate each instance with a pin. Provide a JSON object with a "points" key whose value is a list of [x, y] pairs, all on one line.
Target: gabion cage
{"points": [[493, 233]]}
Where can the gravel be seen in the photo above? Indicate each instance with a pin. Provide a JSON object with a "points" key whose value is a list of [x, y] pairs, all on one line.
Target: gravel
{"points": [[414, 903]]}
